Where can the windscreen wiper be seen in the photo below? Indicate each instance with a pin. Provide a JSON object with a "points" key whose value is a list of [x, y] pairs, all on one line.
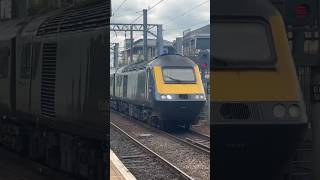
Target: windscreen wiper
{"points": [[174, 79]]}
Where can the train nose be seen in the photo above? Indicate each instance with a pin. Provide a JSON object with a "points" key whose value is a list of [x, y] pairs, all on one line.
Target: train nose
{"points": [[180, 110], [184, 107]]}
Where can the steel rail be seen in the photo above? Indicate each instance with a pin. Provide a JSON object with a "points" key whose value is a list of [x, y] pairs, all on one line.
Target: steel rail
{"points": [[182, 174]]}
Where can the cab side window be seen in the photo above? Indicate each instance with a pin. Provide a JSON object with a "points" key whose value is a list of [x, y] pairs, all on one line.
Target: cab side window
{"points": [[4, 62]]}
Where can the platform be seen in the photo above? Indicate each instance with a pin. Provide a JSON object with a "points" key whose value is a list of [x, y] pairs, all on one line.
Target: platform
{"points": [[117, 169]]}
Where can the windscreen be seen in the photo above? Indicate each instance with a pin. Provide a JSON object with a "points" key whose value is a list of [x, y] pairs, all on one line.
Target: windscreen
{"points": [[178, 75], [242, 44]]}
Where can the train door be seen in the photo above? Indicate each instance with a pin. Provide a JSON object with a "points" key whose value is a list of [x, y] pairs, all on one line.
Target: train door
{"points": [[34, 101], [111, 85], [141, 89], [28, 55], [23, 76], [151, 86], [117, 92], [5, 82], [146, 84], [125, 86]]}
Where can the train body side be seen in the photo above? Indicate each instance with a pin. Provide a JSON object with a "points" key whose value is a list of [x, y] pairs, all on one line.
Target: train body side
{"points": [[8, 36], [55, 79], [76, 95], [131, 86], [53, 102], [6, 74]]}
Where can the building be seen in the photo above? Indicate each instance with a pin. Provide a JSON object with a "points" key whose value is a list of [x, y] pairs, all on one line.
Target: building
{"points": [[137, 49], [195, 41], [196, 46], [178, 45]]}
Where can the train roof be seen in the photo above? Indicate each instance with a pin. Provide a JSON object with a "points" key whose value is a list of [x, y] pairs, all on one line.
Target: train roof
{"points": [[172, 60], [163, 60], [62, 20], [245, 8], [10, 29], [133, 67], [83, 18]]}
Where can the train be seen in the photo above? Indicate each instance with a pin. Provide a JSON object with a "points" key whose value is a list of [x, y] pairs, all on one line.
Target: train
{"points": [[53, 106], [257, 110], [164, 92]]}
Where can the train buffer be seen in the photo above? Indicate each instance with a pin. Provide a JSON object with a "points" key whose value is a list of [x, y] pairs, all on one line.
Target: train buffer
{"points": [[117, 169]]}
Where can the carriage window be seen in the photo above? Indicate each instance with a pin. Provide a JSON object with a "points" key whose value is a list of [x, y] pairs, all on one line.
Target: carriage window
{"points": [[4, 62], [178, 75], [242, 44]]}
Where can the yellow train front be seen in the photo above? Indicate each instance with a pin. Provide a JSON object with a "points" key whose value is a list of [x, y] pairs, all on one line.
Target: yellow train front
{"points": [[256, 106], [164, 92]]}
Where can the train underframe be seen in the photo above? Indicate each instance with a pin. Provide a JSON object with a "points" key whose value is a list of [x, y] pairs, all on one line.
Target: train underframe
{"points": [[75, 155], [157, 117], [255, 151]]}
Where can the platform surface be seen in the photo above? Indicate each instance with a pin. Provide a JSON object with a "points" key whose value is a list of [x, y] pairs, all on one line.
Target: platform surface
{"points": [[117, 170]]}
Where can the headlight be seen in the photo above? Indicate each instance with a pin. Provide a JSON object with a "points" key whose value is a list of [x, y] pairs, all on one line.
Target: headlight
{"points": [[279, 111], [294, 111], [201, 96], [169, 96], [163, 97], [197, 96]]}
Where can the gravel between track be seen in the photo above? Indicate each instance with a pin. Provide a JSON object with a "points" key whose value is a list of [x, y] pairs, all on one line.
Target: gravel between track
{"points": [[194, 163], [151, 170], [202, 128]]}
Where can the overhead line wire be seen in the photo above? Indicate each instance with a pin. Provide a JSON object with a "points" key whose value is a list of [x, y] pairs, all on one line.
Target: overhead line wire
{"points": [[149, 9], [203, 22], [119, 7], [186, 12]]}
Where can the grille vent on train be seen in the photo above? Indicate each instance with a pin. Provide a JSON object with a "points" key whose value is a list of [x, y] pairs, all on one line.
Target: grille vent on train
{"points": [[48, 80], [183, 96], [80, 19], [235, 111]]}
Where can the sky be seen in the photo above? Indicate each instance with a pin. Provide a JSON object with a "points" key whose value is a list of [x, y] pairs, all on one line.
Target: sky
{"points": [[174, 15]]}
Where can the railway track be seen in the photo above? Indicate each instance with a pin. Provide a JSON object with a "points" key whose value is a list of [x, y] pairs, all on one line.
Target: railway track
{"points": [[191, 138], [143, 162], [199, 141], [185, 154]]}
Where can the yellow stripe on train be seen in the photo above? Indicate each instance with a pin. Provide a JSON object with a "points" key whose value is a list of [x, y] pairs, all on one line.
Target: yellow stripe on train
{"points": [[279, 84], [164, 88]]}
